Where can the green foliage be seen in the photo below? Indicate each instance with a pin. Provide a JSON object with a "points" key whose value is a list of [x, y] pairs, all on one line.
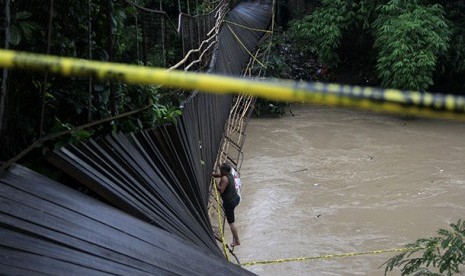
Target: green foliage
{"points": [[165, 114], [456, 58], [410, 38], [266, 107], [71, 102], [414, 41], [445, 253], [454, 62], [325, 26], [206, 6], [162, 110], [22, 28], [277, 67], [74, 137]]}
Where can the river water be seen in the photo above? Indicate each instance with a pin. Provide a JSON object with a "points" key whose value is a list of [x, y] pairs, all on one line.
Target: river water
{"points": [[334, 181]]}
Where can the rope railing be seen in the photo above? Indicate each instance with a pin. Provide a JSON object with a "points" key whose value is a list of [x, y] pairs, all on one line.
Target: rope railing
{"points": [[211, 40], [208, 42]]}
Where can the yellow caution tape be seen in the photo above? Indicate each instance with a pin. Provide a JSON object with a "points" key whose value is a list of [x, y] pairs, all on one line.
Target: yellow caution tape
{"points": [[388, 100], [329, 256]]}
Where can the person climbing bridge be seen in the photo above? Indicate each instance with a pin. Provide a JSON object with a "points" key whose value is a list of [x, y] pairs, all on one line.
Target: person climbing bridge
{"points": [[230, 198]]}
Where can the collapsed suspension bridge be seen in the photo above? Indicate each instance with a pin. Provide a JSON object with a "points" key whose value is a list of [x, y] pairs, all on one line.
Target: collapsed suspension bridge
{"points": [[159, 179]]}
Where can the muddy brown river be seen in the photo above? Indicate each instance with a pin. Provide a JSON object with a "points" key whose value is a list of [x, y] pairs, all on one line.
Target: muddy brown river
{"points": [[334, 181]]}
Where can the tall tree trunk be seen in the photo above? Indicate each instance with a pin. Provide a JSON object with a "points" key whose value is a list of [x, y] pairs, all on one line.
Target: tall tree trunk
{"points": [[144, 42], [3, 92], [136, 23], [111, 55], [163, 35], [89, 27], [44, 89], [179, 6]]}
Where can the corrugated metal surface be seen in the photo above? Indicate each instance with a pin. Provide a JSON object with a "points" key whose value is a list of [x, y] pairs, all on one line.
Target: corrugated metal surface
{"points": [[233, 56], [47, 228], [159, 175]]}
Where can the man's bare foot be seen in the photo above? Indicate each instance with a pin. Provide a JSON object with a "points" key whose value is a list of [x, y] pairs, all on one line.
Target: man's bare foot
{"points": [[235, 243]]}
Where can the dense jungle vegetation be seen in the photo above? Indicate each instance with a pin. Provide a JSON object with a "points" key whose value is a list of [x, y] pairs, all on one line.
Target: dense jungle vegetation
{"points": [[409, 45], [144, 32], [417, 45]]}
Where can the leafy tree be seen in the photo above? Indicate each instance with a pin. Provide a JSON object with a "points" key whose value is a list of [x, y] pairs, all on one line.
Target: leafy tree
{"points": [[456, 56], [275, 48], [407, 42], [410, 39], [80, 29], [324, 28], [22, 28], [445, 253]]}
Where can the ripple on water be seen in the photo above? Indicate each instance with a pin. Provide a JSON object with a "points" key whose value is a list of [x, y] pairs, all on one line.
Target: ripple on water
{"points": [[380, 185]]}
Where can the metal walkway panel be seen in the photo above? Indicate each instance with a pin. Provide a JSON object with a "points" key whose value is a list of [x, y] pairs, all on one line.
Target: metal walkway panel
{"points": [[237, 40], [126, 174], [48, 228]]}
